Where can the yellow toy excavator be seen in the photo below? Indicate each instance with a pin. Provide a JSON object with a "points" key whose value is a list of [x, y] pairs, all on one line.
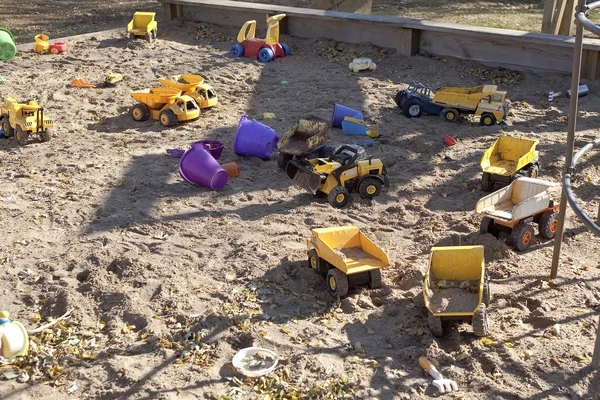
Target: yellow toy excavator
{"points": [[266, 49]]}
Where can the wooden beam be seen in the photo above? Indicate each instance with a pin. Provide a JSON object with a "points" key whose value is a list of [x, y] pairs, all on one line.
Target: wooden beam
{"points": [[567, 24], [549, 10], [519, 50], [590, 65], [353, 6], [558, 16]]}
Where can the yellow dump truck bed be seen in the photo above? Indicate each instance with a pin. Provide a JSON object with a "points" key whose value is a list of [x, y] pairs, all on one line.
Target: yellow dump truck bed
{"points": [[454, 280], [183, 82], [347, 249], [157, 97], [508, 155], [463, 98], [142, 23]]}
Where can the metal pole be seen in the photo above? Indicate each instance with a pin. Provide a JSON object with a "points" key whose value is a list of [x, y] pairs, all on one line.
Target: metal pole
{"points": [[598, 216], [575, 76], [596, 355]]}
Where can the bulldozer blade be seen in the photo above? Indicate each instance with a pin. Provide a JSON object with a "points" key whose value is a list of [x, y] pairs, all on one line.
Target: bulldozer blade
{"points": [[303, 176], [78, 82]]}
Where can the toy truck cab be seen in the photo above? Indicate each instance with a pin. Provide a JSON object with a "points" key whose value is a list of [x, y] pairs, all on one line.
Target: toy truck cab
{"points": [[511, 209], [267, 49], [456, 287], [346, 257], [508, 159], [143, 24], [416, 99]]}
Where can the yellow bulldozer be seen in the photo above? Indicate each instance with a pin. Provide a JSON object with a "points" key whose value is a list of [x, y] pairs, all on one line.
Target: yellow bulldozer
{"points": [[24, 120]]}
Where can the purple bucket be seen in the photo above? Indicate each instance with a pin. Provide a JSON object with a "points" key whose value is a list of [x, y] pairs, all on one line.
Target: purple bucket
{"points": [[254, 139], [198, 166], [214, 147], [339, 112]]}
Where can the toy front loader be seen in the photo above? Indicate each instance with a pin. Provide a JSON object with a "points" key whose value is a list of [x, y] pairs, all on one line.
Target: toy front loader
{"points": [[25, 119], [512, 208], [456, 287], [346, 257], [508, 159]]}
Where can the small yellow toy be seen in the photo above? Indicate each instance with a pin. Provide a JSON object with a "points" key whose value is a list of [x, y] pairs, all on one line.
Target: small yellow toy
{"points": [[41, 45], [193, 86], [14, 340], [456, 287], [167, 105], [143, 24], [508, 159], [23, 120], [346, 257]]}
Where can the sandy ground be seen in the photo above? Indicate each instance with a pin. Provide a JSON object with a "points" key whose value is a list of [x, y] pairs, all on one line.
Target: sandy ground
{"points": [[168, 280]]}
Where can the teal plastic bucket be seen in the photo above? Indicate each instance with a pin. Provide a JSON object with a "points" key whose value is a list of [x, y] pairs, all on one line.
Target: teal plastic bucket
{"points": [[354, 126], [7, 45]]}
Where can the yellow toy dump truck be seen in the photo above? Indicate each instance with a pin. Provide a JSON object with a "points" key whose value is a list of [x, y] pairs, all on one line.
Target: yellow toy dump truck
{"points": [[339, 174], [167, 105], [23, 120], [483, 101], [511, 209], [508, 159], [143, 24], [346, 257], [193, 86], [305, 137], [456, 287]]}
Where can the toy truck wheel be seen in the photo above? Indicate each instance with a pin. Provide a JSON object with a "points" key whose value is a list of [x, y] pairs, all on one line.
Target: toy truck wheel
{"points": [[487, 226], [369, 188], [21, 136], [132, 35], [375, 280], [54, 50], [481, 325], [47, 135], [522, 236], [167, 118], [338, 197], [317, 263], [412, 108], [548, 224], [237, 50], [140, 112], [450, 114], [266, 55], [283, 159], [487, 119], [149, 37], [286, 49], [154, 33], [6, 128], [533, 171], [486, 297], [337, 283], [487, 184], [435, 325]]}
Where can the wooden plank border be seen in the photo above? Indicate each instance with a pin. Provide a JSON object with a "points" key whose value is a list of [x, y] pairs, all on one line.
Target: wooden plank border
{"points": [[537, 52]]}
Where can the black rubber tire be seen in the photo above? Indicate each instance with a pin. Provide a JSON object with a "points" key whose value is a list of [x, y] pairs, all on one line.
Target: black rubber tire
{"points": [[140, 112], [533, 171], [21, 136], [450, 114], [47, 135], [337, 283], [375, 280], [8, 130], [334, 197], [487, 226], [167, 118], [486, 297], [487, 184], [435, 325], [522, 236], [487, 119], [369, 188], [132, 35], [481, 326], [548, 224], [154, 33], [416, 112], [283, 159], [320, 266], [400, 98]]}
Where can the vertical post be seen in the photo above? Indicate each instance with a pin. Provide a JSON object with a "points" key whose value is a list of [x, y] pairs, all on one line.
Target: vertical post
{"points": [[549, 8], [598, 216], [576, 74], [596, 355]]}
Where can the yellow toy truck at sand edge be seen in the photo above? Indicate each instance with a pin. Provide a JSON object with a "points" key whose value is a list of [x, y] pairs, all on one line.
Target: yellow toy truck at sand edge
{"points": [[143, 24], [346, 257], [456, 287], [508, 159], [193, 86], [167, 105], [23, 120], [483, 101]]}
